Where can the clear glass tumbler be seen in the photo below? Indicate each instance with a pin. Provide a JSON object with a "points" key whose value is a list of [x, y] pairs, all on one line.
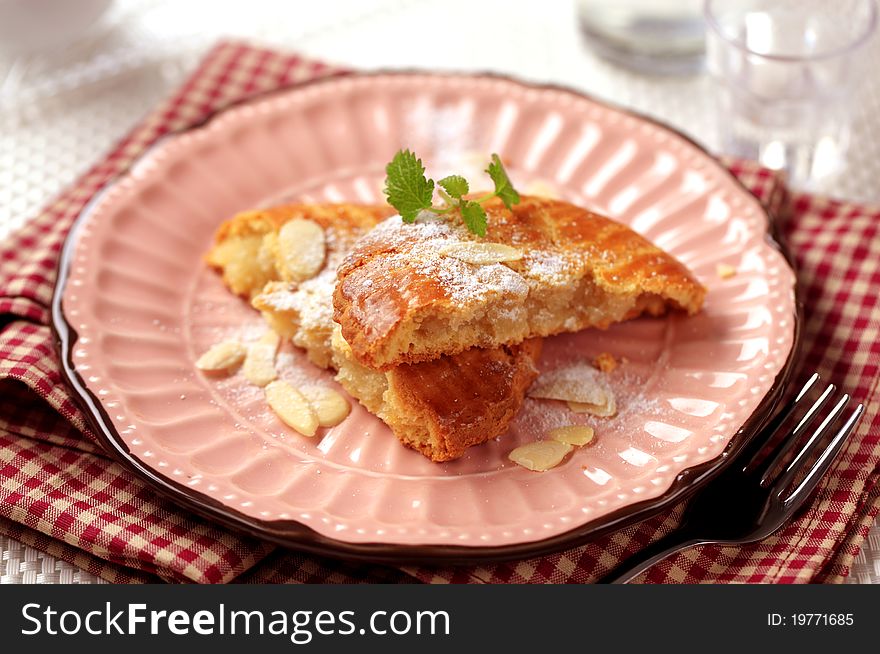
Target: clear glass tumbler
{"points": [[787, 73], [649, 36]]}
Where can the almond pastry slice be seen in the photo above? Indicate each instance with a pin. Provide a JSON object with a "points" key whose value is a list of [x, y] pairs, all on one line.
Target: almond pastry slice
{"points": [[431, 407], [405, 294], [246, 249]]}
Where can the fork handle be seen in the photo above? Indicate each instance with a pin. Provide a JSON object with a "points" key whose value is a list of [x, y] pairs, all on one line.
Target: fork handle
{"points": [[645, 558]]}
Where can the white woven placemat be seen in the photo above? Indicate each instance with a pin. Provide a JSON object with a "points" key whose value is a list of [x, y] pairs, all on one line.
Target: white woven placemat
{"points": [[20, 564], [59, 113]]}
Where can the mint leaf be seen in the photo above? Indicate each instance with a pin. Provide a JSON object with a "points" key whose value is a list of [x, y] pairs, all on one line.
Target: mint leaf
{"points": [[474, 217], [455, 185], [410, 192], [407, 188], [503, 187]]}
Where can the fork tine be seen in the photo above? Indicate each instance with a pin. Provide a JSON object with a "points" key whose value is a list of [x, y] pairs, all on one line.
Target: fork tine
{"points": [[756, 445], [789, 441], [807, 386], [803, 490], [781, 483]]}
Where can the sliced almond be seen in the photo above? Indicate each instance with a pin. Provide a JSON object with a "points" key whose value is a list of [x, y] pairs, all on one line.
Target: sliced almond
{"points": [[330, 407], [301, 249], [480, 254], [725, 270], [222, 357], [579, 383], [577, 435], [606, 410], [259, 364], [540, 455], [292, 407]]}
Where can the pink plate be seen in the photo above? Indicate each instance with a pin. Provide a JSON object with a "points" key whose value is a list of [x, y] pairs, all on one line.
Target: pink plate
{"points": [[136, 306]]}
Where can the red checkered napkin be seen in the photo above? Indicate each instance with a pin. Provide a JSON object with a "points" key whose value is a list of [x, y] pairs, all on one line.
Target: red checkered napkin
{"points": [[59, 492]]}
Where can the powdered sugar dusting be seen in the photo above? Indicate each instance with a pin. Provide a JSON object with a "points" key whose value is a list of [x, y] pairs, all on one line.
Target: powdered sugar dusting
{"points": [[311, 300], [579, 382], [420, 245], [549, 267], [634, 402], [244, 331]]}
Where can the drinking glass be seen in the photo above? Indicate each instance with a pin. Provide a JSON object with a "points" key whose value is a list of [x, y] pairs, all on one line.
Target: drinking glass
{"points": [[649, 36], [787, 73]]}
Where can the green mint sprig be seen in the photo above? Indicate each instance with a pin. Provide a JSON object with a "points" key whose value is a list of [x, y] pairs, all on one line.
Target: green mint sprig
{"points": [[410, 192]]}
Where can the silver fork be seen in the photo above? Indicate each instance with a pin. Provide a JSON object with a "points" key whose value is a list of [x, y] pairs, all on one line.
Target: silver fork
{"points": [[750, 500]]}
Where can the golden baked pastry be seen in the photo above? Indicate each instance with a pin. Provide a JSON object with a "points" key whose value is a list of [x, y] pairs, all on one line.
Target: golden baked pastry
{"points": [[248, 259], [247, 252], [439, 408], [412, 292], [444, 406]]}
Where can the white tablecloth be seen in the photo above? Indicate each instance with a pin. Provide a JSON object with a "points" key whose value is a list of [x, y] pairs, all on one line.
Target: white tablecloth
{"points": [[60, 112]]}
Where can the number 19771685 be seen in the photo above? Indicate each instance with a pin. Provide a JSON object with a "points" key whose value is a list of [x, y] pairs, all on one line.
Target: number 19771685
{"points": [[810, 619]]}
